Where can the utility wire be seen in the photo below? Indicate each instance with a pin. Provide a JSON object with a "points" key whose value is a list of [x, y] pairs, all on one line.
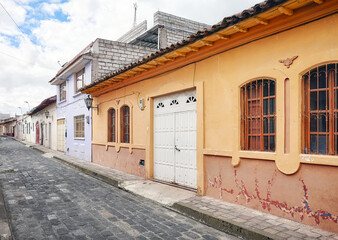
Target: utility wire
{"points": [[12, 19], [25, 35], [14, 57]]}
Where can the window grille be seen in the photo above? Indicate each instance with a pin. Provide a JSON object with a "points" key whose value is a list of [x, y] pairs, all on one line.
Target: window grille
{"points": [[112, 125], [79, 127], [258, 115], [319, 117], [125, 124]]}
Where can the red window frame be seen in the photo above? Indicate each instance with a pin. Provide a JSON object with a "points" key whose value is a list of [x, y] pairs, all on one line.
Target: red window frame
{"points": [[112, 125], [258, 115], [320, 110], [125, 124]]}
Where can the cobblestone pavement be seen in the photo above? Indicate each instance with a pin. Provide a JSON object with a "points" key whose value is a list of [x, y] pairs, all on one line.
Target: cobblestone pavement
{"points": [[49, 200]]}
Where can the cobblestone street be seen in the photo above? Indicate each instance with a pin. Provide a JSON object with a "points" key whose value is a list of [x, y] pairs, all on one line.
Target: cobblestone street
{"points": [[49, 200]]}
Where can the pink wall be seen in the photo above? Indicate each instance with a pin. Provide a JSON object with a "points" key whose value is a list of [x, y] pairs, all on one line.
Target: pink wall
{"points": [[122, 160], [309, 196]]}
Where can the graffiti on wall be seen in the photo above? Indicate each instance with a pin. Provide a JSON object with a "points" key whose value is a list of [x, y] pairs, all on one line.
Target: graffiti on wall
{"points": [[267, 202]]}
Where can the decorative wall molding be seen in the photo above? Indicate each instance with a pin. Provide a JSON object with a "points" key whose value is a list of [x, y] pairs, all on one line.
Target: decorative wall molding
{"points": [[288, 62]]}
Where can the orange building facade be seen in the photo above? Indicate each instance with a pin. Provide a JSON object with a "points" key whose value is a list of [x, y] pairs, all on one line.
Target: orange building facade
{"points": [[246, 112]]}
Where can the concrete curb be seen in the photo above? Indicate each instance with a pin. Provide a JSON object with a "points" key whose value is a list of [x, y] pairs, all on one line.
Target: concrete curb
{"points": [[92, 173], [224, 225]]}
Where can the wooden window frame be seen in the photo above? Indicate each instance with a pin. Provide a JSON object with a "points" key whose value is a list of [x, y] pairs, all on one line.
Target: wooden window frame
{"points": [[79, 134], [63, 91], [258, 115], [313, 82], [112, 125], [125, 135], [79, 77]]}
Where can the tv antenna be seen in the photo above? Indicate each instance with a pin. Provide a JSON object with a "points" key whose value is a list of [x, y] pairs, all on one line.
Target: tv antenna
{"points": [[135, 8]]}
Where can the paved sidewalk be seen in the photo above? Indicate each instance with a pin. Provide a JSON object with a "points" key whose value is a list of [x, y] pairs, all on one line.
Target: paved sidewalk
{"points": [[247, 222], [231, 218]]}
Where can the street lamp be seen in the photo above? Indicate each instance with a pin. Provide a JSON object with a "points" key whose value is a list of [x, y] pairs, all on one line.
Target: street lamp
{"points": [[89, 101], [20, 109], [28, 106]]}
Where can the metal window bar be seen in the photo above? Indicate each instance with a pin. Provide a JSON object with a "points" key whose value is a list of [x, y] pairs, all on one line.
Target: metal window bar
{"points": [[320, 112], [253, 116]]}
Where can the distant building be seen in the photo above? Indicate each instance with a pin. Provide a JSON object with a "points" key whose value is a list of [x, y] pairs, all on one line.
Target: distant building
{"points": [[40, 128], [7, 126]]}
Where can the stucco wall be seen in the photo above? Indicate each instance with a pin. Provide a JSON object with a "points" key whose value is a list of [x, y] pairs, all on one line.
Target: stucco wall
{"points": [[121, 159], [30, 134], [74, 106], [48, 137], [310, 196]]}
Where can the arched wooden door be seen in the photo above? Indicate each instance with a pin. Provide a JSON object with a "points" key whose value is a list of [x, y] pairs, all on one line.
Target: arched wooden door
{"points": [[42, 135], [37, 132]]}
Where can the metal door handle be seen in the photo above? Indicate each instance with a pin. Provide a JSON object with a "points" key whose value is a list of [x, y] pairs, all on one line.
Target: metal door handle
{"points": [[177, 149]]}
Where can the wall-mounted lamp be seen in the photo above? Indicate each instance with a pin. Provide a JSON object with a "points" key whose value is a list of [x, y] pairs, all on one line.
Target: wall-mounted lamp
{"points": [[89, 101], [47, 114], [142, 104]]}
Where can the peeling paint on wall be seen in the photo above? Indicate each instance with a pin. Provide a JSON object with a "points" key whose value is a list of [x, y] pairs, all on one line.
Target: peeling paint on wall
{"points": [[267, 203]]}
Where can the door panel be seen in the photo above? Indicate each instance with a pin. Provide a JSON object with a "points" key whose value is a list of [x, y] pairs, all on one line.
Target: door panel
{"points": [[185, 141], [175, 138], [61, 135], [164, 147]]}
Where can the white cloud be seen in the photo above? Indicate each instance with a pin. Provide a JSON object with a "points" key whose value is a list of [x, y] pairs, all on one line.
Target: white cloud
{"points": [[50, 8], [27, 68]]}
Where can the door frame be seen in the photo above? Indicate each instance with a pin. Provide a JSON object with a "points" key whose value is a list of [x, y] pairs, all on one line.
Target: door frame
{"points": [[199, 86], [174, 115]]}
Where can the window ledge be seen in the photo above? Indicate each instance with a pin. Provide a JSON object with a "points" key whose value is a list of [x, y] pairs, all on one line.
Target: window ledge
{"points": [[331, 160], [62, 101], [257, 155], [80, 139], [77, 94], [242, 154], [217, 152]]}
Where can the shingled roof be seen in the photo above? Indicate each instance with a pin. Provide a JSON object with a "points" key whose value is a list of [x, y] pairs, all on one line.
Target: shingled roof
{"points": [[45, 103]]}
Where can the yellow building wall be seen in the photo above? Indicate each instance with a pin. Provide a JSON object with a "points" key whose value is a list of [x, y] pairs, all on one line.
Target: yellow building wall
{"points": [[217, 80]]}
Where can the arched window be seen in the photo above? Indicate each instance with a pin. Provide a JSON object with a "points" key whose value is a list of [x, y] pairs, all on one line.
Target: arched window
{"points": [[125, 124], [320, 110], [258, 115], [112, 125]]}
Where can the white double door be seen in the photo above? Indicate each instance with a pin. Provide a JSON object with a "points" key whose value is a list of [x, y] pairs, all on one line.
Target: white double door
{"points": [[175, 138]]}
